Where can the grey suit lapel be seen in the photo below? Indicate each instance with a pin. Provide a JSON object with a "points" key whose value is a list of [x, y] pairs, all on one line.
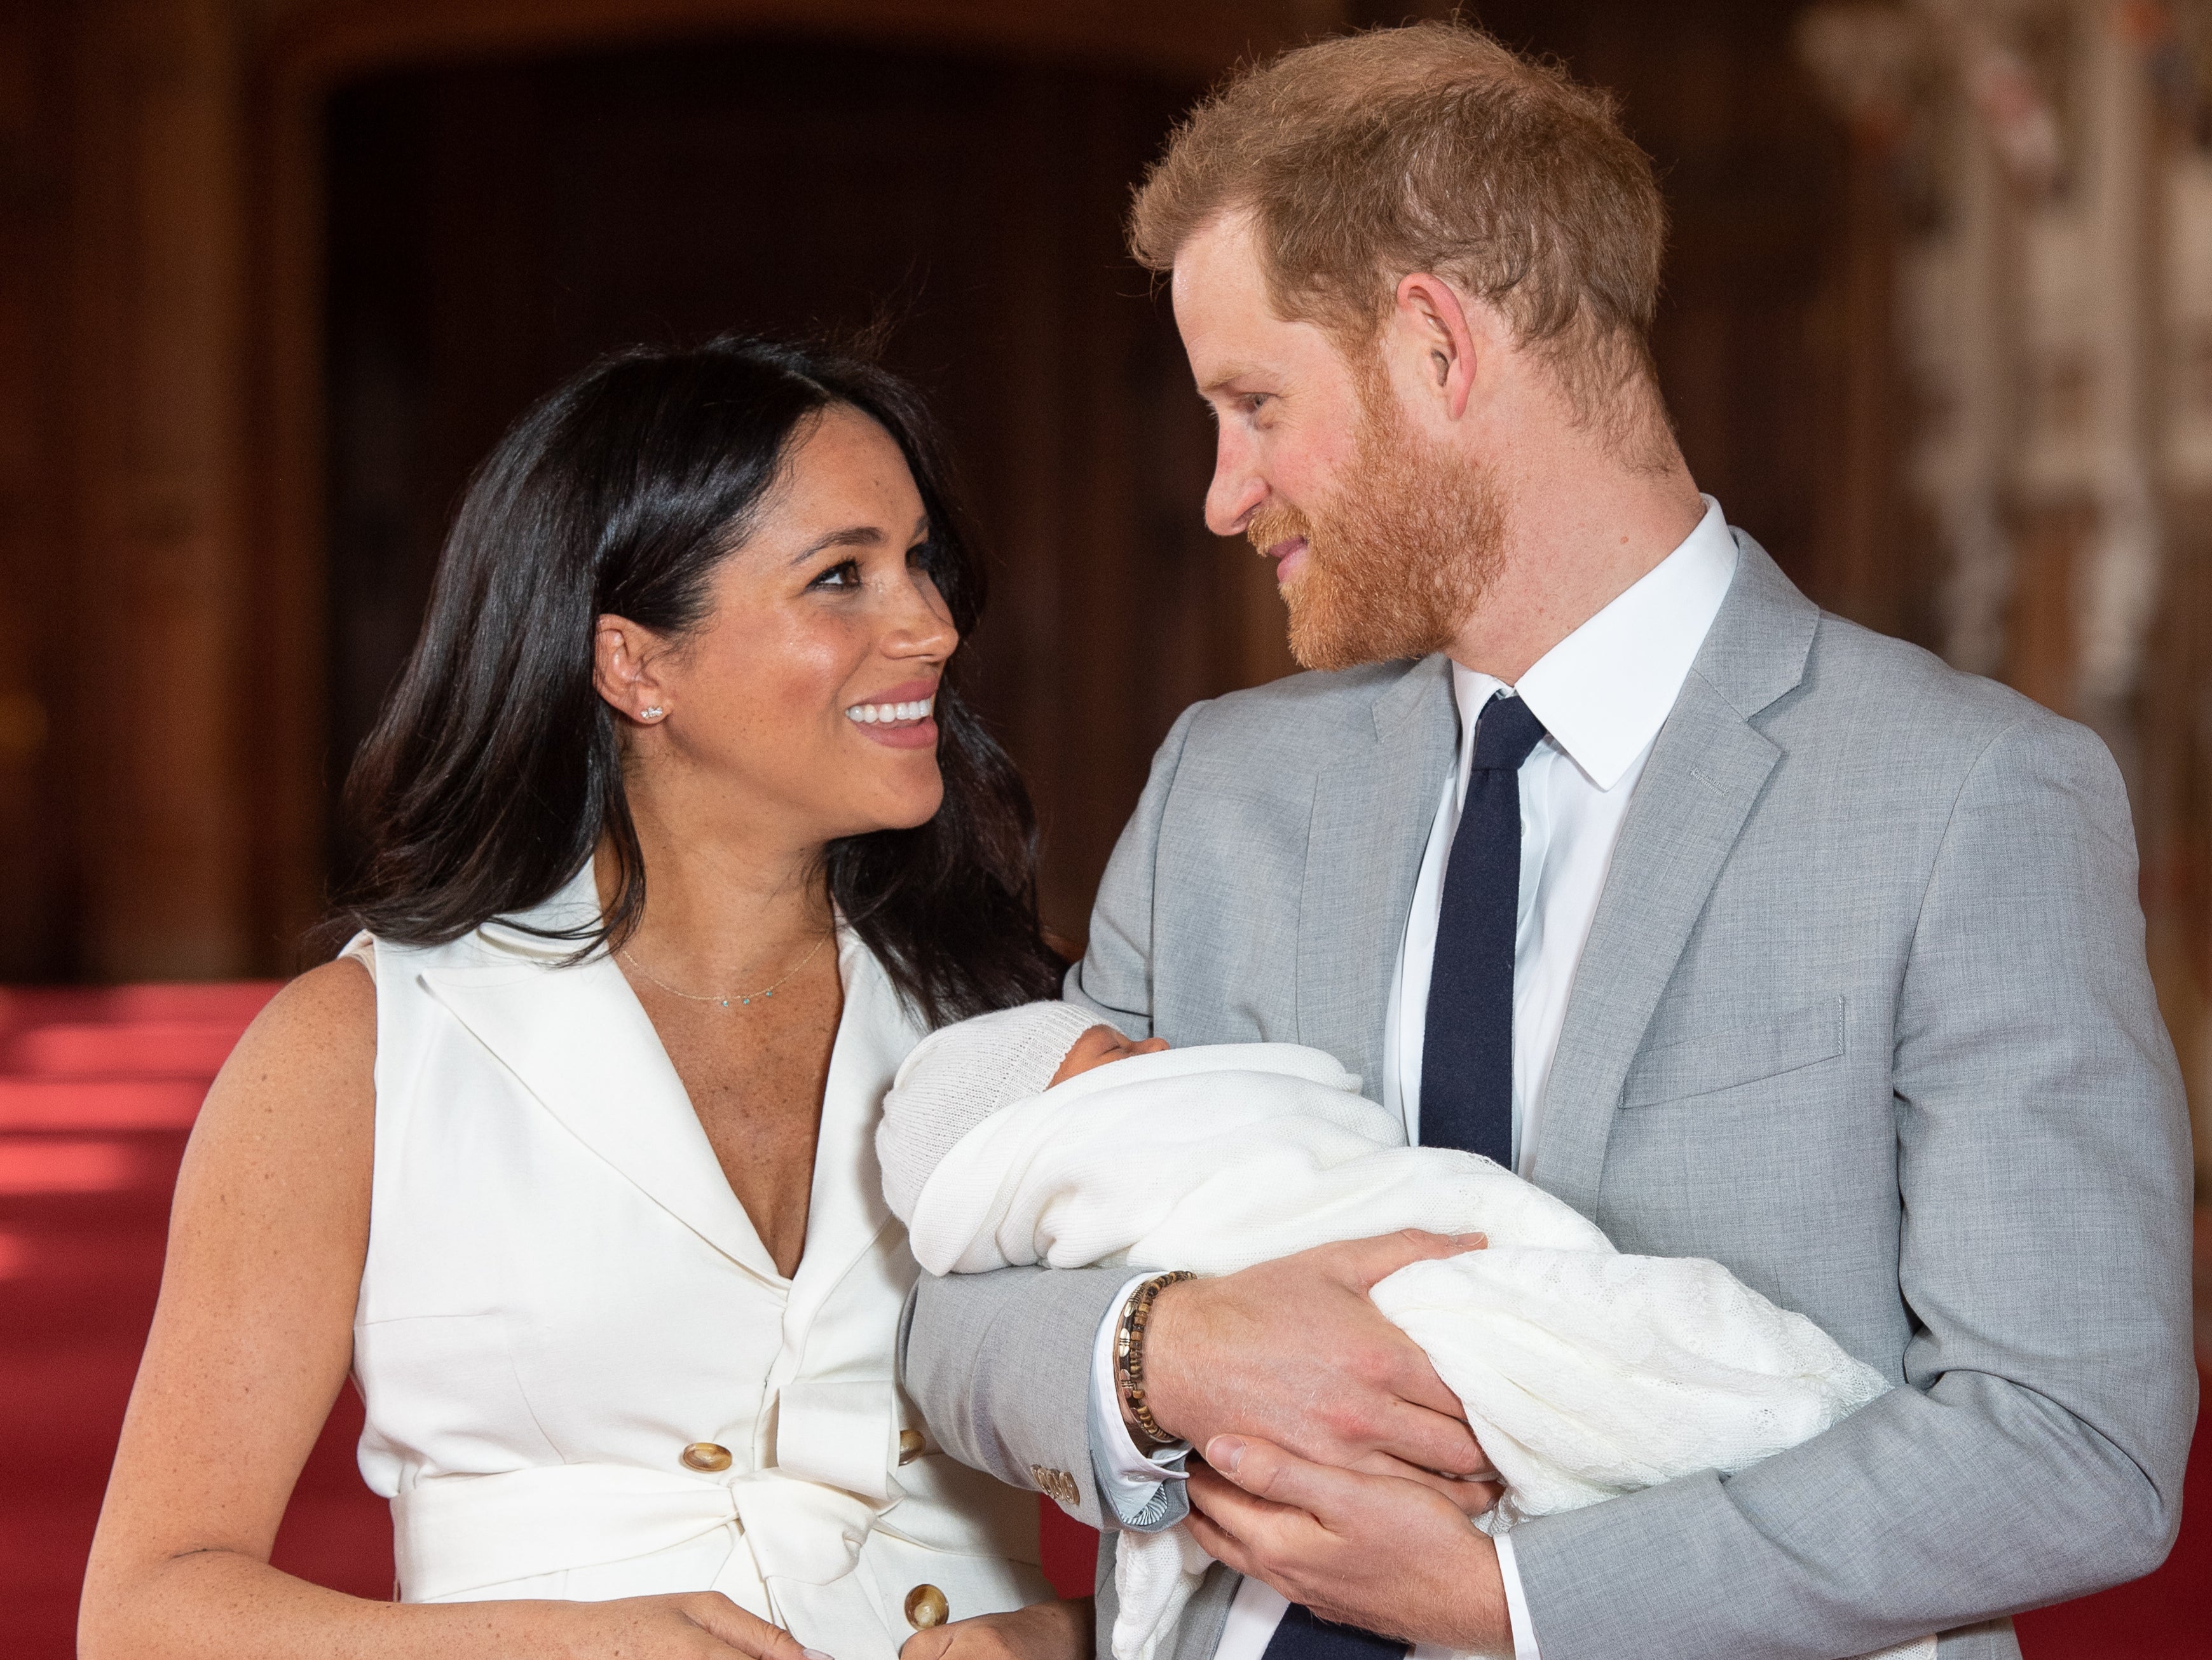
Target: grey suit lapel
{"points": [[1371, 813], [1704, 775]]}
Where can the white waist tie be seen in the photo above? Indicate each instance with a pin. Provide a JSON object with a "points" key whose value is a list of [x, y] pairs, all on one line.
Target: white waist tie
{"points": [[453, 1534]]}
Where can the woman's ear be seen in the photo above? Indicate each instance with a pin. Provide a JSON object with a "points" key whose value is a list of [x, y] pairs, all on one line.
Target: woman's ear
{"points": [[626, 659]]}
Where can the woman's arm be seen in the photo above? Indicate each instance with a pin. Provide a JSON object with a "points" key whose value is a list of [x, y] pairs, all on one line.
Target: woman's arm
{"points": [[250, 1343]]}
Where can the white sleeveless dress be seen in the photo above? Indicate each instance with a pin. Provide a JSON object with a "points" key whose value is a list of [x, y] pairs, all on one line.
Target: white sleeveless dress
{"points": [[566, 1320]]}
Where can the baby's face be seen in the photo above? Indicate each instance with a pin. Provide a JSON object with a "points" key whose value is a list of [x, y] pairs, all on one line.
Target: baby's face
{"points": [[1098, 1046]]}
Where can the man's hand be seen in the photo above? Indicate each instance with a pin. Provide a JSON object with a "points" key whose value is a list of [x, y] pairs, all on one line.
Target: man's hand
{"points": [[1293, 1349], [1042, 1631], [1387, 1555]]}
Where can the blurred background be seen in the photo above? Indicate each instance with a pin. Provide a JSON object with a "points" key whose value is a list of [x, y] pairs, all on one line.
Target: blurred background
{"points": [[275, 274]]}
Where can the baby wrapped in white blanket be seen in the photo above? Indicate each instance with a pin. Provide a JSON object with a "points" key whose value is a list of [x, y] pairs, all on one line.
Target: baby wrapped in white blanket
{"points": [[1585, 1373]]}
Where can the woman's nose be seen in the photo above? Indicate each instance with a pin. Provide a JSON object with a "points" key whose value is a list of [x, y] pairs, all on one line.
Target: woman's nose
{"points": [[924, 626]]}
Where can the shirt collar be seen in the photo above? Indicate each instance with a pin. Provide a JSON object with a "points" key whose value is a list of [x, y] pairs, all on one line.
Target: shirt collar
{"points": [[1604, 691]]}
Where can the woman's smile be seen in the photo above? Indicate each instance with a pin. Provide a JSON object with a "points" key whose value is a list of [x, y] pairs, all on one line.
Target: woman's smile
{"points": [[900, 717]]}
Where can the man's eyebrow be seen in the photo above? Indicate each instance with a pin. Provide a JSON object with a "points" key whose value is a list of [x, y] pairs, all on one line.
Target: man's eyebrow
{"points": [[1228, 377]]}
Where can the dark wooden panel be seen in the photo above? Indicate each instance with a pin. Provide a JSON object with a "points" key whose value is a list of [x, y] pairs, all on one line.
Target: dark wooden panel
{"points": [[36, 827], [493, 227]]}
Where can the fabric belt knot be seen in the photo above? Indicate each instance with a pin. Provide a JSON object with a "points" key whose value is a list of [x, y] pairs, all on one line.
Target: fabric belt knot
{"points": [[453, 1534], [1467, 1052]]}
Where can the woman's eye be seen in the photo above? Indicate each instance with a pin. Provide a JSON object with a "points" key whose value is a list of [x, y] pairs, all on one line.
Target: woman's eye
{"points": [[845, 574]]}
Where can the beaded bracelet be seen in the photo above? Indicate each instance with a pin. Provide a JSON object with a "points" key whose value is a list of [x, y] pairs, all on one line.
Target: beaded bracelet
{"points": [[1129, 1354]]}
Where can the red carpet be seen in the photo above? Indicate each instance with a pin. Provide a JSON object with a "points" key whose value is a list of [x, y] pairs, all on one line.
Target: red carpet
{"points": [[97, 1091]]}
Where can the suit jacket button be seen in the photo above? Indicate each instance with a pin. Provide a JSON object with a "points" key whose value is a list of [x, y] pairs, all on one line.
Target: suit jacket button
{"points": [[706, 1455], [1056, 1484], [909, 1445], [926, 1606]]}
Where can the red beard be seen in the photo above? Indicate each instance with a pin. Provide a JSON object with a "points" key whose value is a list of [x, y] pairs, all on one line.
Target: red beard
{"points": [[1397, 559]]}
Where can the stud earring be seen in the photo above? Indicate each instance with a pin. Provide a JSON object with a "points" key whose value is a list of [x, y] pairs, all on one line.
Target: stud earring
{"points": [[652, 714]]}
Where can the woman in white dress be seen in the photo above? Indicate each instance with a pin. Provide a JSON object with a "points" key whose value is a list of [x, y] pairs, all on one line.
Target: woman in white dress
{"points": [[678, 841]]}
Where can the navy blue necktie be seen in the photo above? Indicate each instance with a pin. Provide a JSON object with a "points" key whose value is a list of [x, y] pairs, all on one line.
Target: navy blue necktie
{"points": [[1303, 1635], [1467, 1057]]}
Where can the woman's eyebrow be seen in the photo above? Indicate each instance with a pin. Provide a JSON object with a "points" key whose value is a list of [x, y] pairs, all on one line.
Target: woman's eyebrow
{"points": [[855, 536], [852, 536]]}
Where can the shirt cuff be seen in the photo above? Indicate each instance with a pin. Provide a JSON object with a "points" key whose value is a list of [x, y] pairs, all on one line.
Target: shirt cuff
{"points": [[1144, 1490], [1517, 1602]]}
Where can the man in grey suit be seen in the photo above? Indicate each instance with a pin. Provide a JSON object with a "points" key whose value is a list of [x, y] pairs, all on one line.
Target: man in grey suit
{"points": [[1594, 845]]}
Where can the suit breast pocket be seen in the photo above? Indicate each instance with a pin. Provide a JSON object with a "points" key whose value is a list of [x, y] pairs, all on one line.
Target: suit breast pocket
{"points": [[1729, 1057]]}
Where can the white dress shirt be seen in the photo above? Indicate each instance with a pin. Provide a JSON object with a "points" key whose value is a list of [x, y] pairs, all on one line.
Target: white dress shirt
{"points": [[1603, 694]]}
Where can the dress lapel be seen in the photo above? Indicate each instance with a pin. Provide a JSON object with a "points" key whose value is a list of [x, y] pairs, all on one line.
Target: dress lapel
{"points": [[578, 1041], [845, 1210], [837, 1403], [1372, 812], [1704, 775]]}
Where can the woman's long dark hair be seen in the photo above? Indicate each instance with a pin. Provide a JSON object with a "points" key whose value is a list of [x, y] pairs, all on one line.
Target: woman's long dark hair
{"points": [[495, 770]]}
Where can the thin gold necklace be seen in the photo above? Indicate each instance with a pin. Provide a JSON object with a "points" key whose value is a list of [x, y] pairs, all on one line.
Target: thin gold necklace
{"points": [[742, 1001]]}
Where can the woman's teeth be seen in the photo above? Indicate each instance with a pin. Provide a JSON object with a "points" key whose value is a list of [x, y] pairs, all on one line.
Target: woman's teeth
{"points": [[869, 715]]}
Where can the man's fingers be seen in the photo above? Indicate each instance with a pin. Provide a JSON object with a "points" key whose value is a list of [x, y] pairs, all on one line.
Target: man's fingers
{"points": [[1211, 1491], [1275, 1484], [1413, 1379], [1433, 1438], [1470, 1498], [1371, 1261], [1257, 1524], [1266, 1471], [1215, 1541]]}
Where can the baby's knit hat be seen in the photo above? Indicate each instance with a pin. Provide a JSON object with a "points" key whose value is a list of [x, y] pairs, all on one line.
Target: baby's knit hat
{"points": [[957, 1077]]}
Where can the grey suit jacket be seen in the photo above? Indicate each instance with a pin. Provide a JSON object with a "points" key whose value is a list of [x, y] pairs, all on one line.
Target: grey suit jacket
{"points": [[1864, 1015]]}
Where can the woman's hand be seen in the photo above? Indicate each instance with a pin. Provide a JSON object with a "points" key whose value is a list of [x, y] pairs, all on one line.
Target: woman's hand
{"points": [[701, 1626], [1042, 1631]]}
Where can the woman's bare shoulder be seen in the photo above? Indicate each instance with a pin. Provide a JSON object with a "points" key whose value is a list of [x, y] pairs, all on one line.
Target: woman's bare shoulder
{"points": [[326, 1015], [335, 1001], [307, 1067]]}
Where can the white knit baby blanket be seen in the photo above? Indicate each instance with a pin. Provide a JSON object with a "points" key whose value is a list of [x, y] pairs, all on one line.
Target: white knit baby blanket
{"points": [[1585, 1373]]}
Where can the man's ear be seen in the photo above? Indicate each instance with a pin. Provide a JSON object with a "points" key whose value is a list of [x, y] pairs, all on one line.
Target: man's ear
{"points": [[1439, 339], [626, 662]]}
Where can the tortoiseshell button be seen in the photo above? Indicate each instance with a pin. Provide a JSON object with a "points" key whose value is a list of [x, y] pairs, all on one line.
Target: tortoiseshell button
{"points": [[706, 1456]]}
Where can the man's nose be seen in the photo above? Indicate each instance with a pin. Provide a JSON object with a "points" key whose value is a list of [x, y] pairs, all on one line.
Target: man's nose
{"points": [[1237, 487]]}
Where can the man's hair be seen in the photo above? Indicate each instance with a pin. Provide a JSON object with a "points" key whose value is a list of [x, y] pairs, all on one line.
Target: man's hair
{"points": [[1432, 148]]}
